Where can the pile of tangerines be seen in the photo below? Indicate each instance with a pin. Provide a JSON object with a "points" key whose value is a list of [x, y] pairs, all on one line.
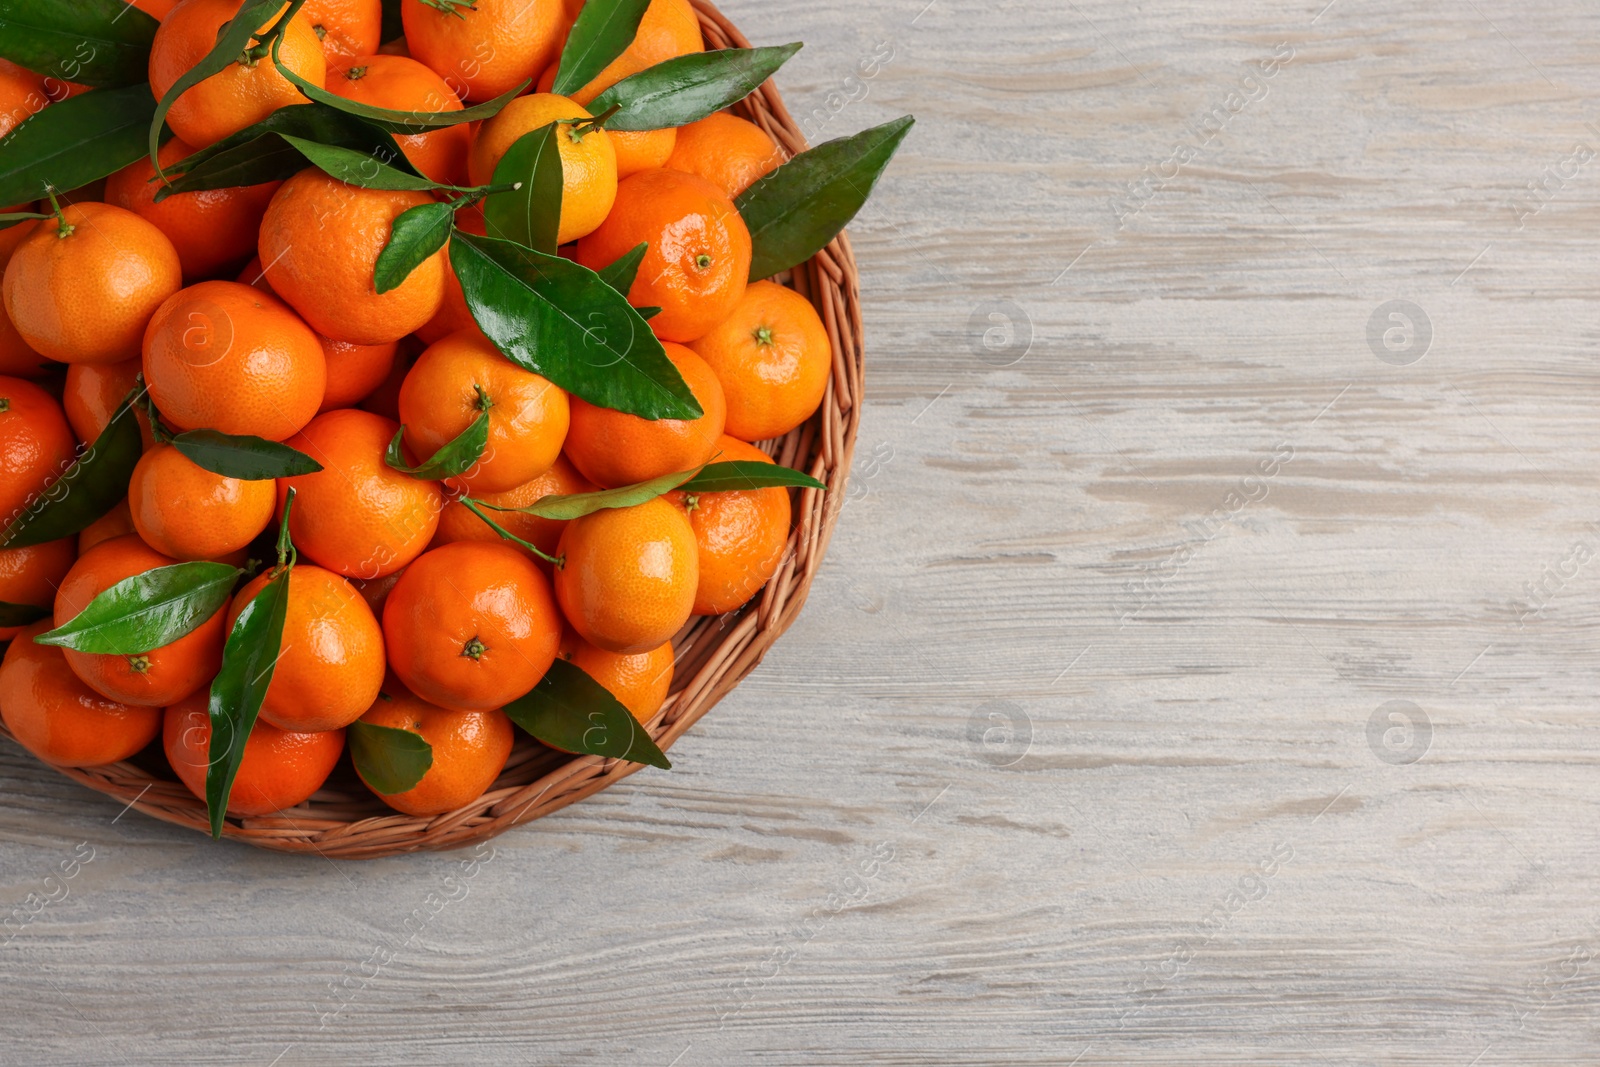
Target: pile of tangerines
{"points": [[392, 390]]}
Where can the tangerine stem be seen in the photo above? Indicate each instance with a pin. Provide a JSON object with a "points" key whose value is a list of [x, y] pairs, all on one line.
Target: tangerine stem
{"points": [[473, 193], [598, 122], [287, 556], [473, 506], [452, 7], [63, 227], [158, 430], [263, 46]]}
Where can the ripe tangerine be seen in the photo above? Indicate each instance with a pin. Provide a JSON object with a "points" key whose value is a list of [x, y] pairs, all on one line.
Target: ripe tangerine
{"points": [[59, 719], [279, 769], [471, 625]]}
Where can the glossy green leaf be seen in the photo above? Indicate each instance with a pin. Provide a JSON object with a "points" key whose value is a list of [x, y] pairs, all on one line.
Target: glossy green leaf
{"points": [[571, 711], [560, 320], [796, 210], [530, 214], [357, 168], [21, 614], [417, 233], [688, 88], [404, 122], [235, 36], [603, 31], [455, 458], [747, 474], [241, 456], [75, 142], [259, 153], [620, 275], [92, 485], [147, 611], [390, 761], [91, 42], [248, 661], [568, 506]]}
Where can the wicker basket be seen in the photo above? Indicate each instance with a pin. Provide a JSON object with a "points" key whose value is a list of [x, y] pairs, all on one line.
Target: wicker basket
{"points": [[346, 821]]}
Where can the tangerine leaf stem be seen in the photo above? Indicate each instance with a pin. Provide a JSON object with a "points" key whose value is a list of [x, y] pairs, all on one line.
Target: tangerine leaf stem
{"points": [[287, 556], [474, 507]]}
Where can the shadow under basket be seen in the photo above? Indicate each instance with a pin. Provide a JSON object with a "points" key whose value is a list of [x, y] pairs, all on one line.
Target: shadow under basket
{"points": [[344, 820]]}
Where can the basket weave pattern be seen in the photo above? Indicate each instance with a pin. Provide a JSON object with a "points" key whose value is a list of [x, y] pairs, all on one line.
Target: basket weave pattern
{"points": [[714, 654]]}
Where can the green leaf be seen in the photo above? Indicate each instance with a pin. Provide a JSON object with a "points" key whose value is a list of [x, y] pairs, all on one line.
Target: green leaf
{"points": [[571, 711], [91, 42], [620, 275], [457, 457], [252, 459], [603, 31], [150, 610], [232, 40], [796, 210], [15, 218], [397, 121], [417, 233], [561, 320], [248, 661], [259, 153], [747, 474], [567, 506], [357, 168], [530, 215], [75, 142], [94, 484], [21, 614], [688, 88], [390, 761]]}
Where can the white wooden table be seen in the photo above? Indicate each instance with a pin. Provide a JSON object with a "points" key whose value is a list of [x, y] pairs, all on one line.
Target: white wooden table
{"points": [[1205, 667]]}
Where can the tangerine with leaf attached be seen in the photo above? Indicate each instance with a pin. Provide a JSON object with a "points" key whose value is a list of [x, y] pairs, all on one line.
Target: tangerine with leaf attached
{"points": [[248, 90], [588, 162], [463, 376]]}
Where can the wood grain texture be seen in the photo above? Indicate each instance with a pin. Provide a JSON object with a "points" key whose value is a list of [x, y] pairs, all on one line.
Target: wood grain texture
{"points": [[1081, 752]]}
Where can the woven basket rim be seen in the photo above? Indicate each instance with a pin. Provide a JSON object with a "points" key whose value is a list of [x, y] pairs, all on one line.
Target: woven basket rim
{"points": [[713, 654]]}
